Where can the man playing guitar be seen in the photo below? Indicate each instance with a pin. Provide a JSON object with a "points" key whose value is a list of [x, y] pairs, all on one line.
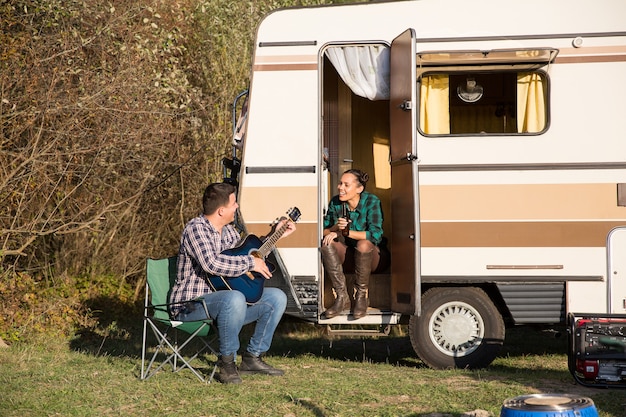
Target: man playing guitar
{"points": [[204, 241]]}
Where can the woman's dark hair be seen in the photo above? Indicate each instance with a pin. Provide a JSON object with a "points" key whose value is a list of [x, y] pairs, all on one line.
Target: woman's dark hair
{"points": [[216, 195], [361, 177]]}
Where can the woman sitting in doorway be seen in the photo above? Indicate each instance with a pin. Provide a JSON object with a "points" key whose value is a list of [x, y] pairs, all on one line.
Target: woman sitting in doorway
{"points": [[352, 234]]}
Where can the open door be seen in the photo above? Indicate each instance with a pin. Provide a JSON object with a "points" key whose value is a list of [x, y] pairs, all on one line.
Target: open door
{"points": [[616, 274], [405, 274]]}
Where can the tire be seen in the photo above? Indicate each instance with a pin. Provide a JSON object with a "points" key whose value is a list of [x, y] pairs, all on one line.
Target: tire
{"points": [[459, 328]]}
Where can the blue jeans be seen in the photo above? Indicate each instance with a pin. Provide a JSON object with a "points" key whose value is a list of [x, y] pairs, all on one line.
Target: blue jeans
{"points": [[230, 312]]}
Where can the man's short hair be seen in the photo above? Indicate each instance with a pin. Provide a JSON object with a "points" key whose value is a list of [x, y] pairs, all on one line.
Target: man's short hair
{"points": [[216, 195]]}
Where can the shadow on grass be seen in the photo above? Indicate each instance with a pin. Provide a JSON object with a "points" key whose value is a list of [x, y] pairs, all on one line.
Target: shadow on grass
{"points": [[119, 332], [118, 329]]}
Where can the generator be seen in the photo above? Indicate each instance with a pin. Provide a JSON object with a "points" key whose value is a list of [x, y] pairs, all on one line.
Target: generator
{"points": [[597, 349]]}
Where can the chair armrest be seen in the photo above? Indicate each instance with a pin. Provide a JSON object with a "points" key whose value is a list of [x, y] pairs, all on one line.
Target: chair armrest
{"points": [[193, 300]]}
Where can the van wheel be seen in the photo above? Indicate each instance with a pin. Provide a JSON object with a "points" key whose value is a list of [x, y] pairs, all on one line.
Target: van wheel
{"points": [[459, 328]]}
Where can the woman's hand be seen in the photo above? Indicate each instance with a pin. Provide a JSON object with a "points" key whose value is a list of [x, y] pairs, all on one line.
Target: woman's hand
{"points": [[329, 238], [342, 223]]}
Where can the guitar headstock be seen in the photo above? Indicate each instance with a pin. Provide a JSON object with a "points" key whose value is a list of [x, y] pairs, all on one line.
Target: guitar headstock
{"points": [[294, 214]]}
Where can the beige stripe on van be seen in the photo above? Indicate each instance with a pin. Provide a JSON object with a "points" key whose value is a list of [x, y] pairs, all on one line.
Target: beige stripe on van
{"points": [[264, 204], [594, 50], [521, 202], [285, 63]]}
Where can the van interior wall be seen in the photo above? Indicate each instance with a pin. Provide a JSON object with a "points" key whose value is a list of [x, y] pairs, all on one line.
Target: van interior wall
{"points": [[495, 112], [330, 111], [370, 125]]}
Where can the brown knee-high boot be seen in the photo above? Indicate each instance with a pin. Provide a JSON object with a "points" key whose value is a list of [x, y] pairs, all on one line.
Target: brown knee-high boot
{"points": [[363, 269], [334, 270]]}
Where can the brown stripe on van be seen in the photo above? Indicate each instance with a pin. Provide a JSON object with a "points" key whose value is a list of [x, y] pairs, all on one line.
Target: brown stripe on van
{"points": [[589, 59], [285, 67], [305, 236], [517, 234]]}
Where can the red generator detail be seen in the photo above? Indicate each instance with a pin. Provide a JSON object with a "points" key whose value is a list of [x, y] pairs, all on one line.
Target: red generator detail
{"points": [[597, 349]]}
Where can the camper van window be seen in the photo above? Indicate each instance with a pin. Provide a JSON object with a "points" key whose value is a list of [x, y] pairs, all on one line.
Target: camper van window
{"points": [[462, 103]]}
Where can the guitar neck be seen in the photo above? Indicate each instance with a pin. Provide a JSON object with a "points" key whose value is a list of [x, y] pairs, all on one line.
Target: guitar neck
{"points": [[270, 242]]}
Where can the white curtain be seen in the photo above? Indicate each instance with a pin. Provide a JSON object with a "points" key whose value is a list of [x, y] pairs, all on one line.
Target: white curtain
{"points": [[365, 69]]}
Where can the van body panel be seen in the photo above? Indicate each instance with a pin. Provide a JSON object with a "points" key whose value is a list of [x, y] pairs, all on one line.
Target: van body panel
{"points": [[491, 210]]}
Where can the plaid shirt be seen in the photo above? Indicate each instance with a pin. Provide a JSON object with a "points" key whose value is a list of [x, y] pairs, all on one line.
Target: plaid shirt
{"points": [[200, 254], [368, 217]]}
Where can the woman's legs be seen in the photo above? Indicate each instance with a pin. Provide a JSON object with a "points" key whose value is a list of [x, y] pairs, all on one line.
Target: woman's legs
{"points": [[366, 258], [333, 257]]}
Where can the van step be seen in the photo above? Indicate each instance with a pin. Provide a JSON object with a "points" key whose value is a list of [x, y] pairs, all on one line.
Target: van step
{"points": [[338, 330]]}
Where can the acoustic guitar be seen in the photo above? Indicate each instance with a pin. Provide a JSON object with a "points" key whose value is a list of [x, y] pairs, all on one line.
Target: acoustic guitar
{"points": [[251, 283]]}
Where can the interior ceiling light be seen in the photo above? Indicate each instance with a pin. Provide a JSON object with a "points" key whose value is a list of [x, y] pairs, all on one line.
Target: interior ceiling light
{"points": [[470, 92]]}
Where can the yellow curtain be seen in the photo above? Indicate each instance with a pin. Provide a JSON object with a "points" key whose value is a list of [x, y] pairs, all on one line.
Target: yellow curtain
{"points": [[531, 103], [435, 104]]}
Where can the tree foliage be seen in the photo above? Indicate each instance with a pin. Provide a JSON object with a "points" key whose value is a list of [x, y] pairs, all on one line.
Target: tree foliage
{"points": [[113, 118]]}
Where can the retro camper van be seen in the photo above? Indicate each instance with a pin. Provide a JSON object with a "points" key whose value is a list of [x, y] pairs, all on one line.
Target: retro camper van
{"points": [[494, 135]]}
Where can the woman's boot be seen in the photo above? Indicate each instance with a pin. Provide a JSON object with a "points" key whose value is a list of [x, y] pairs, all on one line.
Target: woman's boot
{"points": [[363, 269], [334, 270]]}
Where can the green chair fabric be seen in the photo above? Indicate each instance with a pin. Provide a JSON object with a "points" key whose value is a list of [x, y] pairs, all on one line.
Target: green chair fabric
{"points": [[160, 277]]}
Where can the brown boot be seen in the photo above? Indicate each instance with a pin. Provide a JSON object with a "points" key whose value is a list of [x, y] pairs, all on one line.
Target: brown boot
{"points": [[363, 269], [251, 364], [334, 270], [228, 373]]}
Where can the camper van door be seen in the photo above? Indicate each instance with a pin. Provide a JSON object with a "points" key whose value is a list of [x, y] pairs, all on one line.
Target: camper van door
{"points": [[405, 276], [616, 274]]}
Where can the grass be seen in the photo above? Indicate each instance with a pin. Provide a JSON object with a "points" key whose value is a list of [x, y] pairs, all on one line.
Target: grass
{"points": [[97, 375]]}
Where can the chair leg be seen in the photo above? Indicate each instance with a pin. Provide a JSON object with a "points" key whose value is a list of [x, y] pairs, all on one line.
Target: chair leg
{"points": [[143, 349], [162, 342], [175, 353]]}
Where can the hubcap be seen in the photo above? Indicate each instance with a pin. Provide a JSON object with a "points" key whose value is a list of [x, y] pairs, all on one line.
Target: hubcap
{"points": [[456, 329]]}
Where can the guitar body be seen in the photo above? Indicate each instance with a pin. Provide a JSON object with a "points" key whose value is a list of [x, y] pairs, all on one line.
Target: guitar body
{"points": [[251, 283]]}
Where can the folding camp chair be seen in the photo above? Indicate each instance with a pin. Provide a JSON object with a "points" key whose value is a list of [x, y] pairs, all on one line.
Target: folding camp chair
{"points": [[160, 277]]}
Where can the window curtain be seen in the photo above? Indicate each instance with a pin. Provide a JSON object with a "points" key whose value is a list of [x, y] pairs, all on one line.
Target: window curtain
{"points": [[531, 103], [435, 104], [365, 69]]}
